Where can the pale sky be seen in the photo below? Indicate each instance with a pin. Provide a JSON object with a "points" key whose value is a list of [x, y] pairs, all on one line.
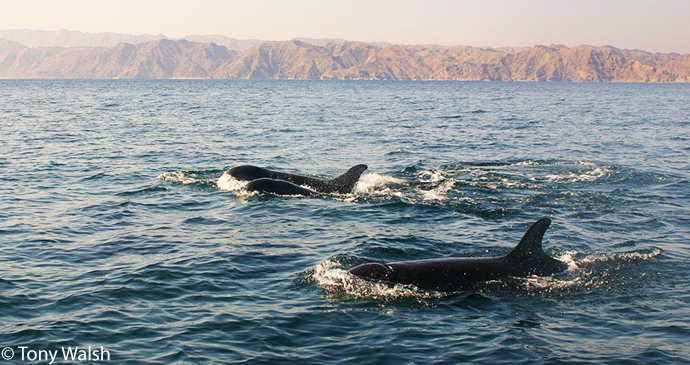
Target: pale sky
{"points": [[653, 25]]}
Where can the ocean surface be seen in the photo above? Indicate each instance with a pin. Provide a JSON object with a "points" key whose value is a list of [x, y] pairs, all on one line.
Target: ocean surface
{"points": [[119, 228]]}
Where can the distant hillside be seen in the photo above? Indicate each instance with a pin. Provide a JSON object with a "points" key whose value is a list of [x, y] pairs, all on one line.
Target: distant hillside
{"points": [[153, 60], [342, 60], [227, 42], [359, 61], [72, 38], [327, 41]]}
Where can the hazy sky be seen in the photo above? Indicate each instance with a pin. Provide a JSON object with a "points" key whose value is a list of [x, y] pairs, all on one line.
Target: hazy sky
{"points": [[654, 25]]}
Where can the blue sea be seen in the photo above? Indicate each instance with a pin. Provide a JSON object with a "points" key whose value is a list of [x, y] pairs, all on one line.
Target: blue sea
{"points": [[119, 228]]}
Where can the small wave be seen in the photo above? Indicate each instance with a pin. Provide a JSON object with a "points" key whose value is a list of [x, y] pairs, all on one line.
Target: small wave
{"points": [[561, 172], [527, 163], [431, 176], [146, 190], [440, 183], [440, 192], [494, 181], [94, 177], [575, 177], [633, 256], [587, 172], [202, 177], [429, 185], [606, 270], [183, 177]]}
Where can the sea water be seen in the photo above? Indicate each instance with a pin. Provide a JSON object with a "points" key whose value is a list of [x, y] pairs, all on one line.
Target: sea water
{"points": [[119, 229]]}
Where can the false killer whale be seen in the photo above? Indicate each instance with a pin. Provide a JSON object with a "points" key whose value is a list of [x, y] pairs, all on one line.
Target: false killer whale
{"points": [[280, 183], [454, 274]]}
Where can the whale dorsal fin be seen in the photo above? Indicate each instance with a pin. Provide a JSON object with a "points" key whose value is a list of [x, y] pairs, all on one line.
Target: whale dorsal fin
{"points": [[344, 183], [530, 244], [529, 258]]}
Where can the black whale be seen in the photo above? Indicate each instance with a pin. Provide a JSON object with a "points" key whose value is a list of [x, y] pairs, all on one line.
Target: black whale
{"points": [[280, 183], [454, 274]]}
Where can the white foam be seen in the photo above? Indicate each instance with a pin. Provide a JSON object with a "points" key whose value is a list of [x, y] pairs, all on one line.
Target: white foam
{"points": [[439, 192], [551, 283], [573, 177], [180, 177], [580, 273], [569, 258], [431, 176], [332, 278], [537, 163], [375, 184], [527, 163], [623, 256], [227, 182], [224, 183]]}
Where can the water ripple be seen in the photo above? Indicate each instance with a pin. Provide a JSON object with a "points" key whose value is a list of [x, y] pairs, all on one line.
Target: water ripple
{"points": [[120, 228]]}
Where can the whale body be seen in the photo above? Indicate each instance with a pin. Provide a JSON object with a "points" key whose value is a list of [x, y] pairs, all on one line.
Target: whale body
{"points": [[278, 187], [453, 274], [281, 183]]}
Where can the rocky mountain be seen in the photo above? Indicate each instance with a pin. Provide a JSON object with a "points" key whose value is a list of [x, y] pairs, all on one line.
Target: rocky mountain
{"points": [[343, 60], [9, 46], [158, 59], [357, 61]]}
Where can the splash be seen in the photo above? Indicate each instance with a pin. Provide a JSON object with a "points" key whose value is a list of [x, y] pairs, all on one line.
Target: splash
{"points": [[224, 182], [592, 271], [440, 192], [373, 183], [190, 177], [431, 176], [183, 177], [527, 163], [227, 182], [376, 185], [576, 171], [511, 175], [333, 279], [634, 256], [594, 174]]}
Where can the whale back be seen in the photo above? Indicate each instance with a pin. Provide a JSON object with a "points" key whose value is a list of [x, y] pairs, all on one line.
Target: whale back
{"points": [[277, 187], [342, 184]]}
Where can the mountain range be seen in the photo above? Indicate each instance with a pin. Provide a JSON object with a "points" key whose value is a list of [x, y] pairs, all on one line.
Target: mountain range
{"points": [[69, 54]]}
